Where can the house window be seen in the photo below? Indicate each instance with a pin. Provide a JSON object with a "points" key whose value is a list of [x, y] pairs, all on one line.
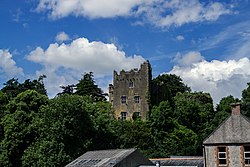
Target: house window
{"points": [[131, 84], [123, 99], [247, 155], [123, 115], [137, 99], [222, 156]]}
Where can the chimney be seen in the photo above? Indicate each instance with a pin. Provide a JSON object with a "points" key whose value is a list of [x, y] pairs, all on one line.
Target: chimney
{"points": [[235, 107]]}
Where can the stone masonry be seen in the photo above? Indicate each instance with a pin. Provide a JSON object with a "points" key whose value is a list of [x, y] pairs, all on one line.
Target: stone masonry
{"points": [[129, 93]]}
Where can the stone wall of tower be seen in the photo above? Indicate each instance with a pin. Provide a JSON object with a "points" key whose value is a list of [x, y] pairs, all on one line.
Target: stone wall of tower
{"points": [[130, 92]]}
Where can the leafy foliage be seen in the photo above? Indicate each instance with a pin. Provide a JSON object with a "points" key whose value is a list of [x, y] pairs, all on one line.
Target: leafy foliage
{"points": [[64, 127], [37, 131], [165, 87], [225, 104], [246, 100], [12, 87], [135, 134], [87, 86], [17, 123], [195, 111], [69, 89]]}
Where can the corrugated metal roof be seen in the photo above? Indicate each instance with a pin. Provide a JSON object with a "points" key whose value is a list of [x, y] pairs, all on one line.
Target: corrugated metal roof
{"points": [[104, 158]]}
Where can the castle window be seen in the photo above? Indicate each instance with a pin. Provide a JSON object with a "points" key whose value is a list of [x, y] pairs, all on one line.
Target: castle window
{"points": [[131, 84], [136, 115], [123, 115], [247, 155], [137, 99], [123, 99], [222, 156]]}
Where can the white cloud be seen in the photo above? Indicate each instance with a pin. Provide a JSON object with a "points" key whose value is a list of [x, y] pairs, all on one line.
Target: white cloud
{"points": [[180, 38], [219, 78], [62, 36], [8, 66], [64, 64], [160, 13], [88, 8], [177, 12], [188, 58]]}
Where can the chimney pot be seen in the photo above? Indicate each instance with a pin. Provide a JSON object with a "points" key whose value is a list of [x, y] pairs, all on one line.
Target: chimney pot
{"points": [[235, 107]]}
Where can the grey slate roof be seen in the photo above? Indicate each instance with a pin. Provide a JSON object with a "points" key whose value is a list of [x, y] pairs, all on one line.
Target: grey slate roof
{"points": [[182, 161], [103, 158], [235, 129]]}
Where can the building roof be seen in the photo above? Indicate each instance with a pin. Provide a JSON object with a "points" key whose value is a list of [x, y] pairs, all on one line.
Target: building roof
{"points": [[180, 161], [103, 158], [235, 129]]}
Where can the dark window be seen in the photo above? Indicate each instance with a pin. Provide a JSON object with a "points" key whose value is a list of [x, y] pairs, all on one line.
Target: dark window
{"points": [[123, 115], [138, 114], [137, 99], [222, 155], [131, 84], [247, 155], [123, 99]]}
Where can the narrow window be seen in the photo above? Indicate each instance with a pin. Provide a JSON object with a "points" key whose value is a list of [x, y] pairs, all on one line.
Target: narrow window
{"points": [[137, 99], [123, 115], [247, 155], [123, 99], [131, 84], [222, 156]]}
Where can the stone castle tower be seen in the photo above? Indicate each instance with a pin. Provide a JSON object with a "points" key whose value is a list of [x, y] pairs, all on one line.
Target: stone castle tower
{"points": [[129, 93]]}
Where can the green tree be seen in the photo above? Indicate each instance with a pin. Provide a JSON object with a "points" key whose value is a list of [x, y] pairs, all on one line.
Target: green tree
{"points": [[162, 123], [12, 87], [65, 129], [195, 112], [87, 86], [3, 103], [225, 104], [105, 126], [69, 89], [246, 101], [36, 85], [194, 109], [165, 87], [223, 110], [181, 141], [170, 137], [135, 134], [161, 117], [17, 123]]}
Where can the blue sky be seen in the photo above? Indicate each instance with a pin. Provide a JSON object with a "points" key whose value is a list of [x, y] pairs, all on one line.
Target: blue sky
{"points": [[206, 43]]}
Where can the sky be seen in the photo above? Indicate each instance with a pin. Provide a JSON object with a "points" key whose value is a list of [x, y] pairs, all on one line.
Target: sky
{"points": [[206, 43]]}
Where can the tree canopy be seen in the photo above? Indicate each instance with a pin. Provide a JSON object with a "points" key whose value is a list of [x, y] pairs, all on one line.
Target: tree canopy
{"points": [[38, 131], [87, 86], [165, 87]]}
